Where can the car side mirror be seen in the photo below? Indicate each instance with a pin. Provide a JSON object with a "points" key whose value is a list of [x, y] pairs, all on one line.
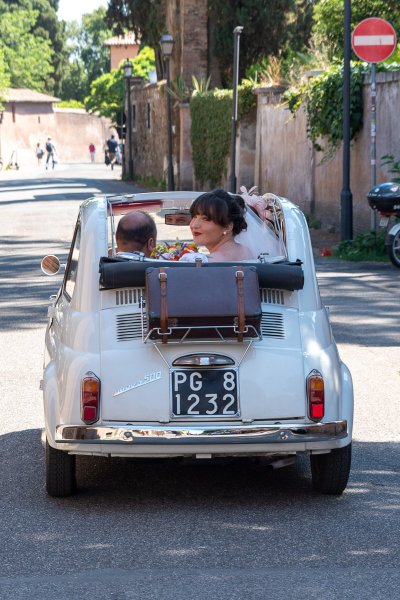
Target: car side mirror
{"points": [[50, 264]]}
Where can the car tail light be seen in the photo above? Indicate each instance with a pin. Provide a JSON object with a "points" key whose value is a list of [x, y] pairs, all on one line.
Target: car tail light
{"points": [[90, 398], [315, 396]]}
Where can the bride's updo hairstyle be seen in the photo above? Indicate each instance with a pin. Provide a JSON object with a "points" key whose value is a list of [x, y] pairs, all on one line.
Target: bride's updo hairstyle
{"points": [[221, 208]]}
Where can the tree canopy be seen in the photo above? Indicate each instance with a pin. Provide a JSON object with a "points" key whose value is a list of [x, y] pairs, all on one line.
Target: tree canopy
{"points": [[27, 56], [48, 28], [89, 57], [107, 91]]}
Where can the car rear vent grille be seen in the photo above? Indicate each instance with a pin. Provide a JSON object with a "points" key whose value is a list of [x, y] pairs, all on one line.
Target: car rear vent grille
{"points": [[272, 325], [129, 296], [272, 296], [129, 327]]}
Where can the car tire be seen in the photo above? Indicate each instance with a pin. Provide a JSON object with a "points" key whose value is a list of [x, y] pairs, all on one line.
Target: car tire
{"points": [[330, 472], [60, 472], [394, 249]]}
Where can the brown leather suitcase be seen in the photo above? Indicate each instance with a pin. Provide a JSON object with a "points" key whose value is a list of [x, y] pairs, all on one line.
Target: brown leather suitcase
{"points": [[199, 303]]}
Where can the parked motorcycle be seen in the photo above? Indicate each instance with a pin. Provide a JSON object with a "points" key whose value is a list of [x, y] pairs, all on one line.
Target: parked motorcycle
{"points": [[385, 198]]}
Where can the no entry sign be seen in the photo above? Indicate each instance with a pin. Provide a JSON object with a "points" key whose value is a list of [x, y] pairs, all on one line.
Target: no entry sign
{"points": [[373, 40]]}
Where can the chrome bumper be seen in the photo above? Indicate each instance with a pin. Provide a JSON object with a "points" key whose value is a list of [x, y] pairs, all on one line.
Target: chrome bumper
{"points": [[197, 434]]}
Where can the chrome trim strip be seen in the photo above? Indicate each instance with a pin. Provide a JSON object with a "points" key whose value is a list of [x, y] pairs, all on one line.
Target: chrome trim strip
{"points": [[197, 434]]}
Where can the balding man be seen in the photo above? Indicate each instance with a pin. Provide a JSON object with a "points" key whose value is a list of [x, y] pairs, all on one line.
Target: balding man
{"points": [[136, 232]]}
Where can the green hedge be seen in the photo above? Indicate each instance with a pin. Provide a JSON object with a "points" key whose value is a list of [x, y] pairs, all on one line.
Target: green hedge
{"points": [[211, 128]]}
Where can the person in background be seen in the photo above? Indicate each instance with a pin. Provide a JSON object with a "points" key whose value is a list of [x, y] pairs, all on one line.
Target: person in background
{"points": [[92, 151], [136, 232], [51, 153], [112, 150], [39, 153]]}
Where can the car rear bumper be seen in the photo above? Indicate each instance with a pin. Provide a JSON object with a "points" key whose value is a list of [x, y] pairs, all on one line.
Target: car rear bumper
{"points": [[289, 433]]}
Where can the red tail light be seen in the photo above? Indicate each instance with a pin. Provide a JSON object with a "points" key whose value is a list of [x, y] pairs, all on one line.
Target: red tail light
{"points": [[316, 396], [90, 398]]}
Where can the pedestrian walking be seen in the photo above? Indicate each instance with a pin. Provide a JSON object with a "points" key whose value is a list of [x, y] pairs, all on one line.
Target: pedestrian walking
{"points": [[92, 151], [112, 146], [51, 153], [39, 153]]}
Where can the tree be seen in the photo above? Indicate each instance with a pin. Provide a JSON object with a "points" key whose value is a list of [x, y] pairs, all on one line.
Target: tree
{"points": [[268, 27], [46, 27], [107, 92], [146, 18], [27, 56], [328, 29], [89, 57]]}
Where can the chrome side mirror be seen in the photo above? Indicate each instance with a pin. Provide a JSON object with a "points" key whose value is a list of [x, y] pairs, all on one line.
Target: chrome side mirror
{"points": [[50, 264]]}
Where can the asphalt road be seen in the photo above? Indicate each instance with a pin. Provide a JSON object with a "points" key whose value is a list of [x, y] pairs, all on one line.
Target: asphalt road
{"points": [[180, 530]]}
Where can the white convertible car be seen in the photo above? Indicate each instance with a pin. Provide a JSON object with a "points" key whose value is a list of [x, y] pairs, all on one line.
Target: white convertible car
{"points": [[154, 358]]}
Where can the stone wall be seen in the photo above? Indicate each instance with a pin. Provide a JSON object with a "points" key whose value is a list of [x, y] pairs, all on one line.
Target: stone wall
{"points": [[287, 165], [72, 130], [150, 132]]}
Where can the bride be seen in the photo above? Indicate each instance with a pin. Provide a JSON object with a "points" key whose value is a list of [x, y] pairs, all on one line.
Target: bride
{"points": [[217, 217], [219, 222]]}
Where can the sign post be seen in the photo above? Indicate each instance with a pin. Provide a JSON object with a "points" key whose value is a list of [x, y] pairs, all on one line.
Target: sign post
{"points": [[373, 40]]}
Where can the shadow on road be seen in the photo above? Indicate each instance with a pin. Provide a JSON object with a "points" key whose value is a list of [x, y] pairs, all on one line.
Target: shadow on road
{"points": [[363, 301]]}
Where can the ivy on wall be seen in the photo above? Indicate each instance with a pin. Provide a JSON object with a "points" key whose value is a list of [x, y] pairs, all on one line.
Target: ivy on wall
{"points": [[322, 98], [211, 115]]}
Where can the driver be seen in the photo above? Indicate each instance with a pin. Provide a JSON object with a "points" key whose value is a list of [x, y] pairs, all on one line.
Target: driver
{"points": [[136, 232]]}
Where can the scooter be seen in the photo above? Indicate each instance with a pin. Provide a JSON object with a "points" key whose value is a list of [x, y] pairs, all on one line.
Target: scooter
{"points": [[385, 198]]}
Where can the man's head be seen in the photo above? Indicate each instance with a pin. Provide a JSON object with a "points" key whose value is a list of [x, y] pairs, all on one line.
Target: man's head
{"points": [[136, 232]]}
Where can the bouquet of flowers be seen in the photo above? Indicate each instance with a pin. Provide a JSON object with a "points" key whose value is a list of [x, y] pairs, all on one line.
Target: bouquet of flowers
{"points": [[173, 251]]}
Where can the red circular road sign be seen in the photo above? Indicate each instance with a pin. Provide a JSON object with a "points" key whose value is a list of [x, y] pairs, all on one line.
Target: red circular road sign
{"points": [[373, 40]]}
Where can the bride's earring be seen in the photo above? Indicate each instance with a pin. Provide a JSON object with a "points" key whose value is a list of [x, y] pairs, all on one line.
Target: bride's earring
{"points": [[225, 232]]}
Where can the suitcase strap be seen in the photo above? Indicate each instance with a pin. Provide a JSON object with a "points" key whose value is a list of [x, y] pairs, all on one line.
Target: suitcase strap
{"points": [[240, 295], [164, 307]]}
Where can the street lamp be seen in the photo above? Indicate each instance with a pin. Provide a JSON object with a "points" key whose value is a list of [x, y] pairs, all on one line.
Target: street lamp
{"points": [[167, 44], [346, 197], [236, 43], [128, 71]]}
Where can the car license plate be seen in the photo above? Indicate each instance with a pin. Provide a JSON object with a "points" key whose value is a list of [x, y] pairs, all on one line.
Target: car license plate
{"points": [[205, 393]]}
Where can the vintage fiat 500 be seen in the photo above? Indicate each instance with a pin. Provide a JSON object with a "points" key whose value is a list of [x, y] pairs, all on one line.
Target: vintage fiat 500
{"points": [[149, 357]]}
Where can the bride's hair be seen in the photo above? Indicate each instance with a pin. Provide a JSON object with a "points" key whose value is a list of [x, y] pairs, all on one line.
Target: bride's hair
{"points": [[221, 208]]}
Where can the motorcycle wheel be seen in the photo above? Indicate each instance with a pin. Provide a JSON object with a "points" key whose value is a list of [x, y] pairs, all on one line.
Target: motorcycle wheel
{"points": [[394, 250]]}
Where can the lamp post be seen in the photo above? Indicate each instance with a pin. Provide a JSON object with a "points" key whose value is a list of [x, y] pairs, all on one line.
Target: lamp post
{"points": [[346, 197], [128, 70], [236, 44], [167, 44]]}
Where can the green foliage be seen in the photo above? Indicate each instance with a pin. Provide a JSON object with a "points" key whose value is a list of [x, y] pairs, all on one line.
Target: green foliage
{"points": [[323, 102], [70, 104], [388, 159], [45, 27], [269, 26], [144, 62], [210, 135], [153, 183], [107, 92], [27, 56], [365, 246], [328, 20], [146, 18], [107, 95], [89, 58], [313, 222], [4, 79]]}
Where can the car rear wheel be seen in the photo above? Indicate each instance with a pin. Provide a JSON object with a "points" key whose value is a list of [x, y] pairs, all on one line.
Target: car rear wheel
{"points": [[330, 472], [394, 249], [60, 472]]}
